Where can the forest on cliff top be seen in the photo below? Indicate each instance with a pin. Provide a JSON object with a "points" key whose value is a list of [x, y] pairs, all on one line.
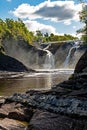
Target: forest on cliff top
{"points": [[17, 30]]}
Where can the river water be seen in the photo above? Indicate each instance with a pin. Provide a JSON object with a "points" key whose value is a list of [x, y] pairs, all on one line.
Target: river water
{"points": [[15, 82]]}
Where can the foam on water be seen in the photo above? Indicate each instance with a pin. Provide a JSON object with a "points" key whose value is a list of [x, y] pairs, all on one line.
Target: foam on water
{"points": [[40, 72], [61, 70]]}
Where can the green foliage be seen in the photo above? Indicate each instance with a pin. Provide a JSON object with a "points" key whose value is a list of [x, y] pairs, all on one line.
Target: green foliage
{"points": [[64, 37], [52, 37], [39, 36], [15, 30], [83, 18]]}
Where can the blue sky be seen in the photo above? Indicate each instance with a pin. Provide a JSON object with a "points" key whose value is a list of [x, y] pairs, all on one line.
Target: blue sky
{"points": [[52, 16]]}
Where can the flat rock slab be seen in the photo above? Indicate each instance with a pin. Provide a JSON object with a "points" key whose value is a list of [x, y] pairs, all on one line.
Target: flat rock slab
{"points": [[15, 111], [10, 124]]}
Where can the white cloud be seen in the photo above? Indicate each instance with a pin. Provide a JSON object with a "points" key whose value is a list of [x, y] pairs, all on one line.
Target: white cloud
{"points": [[56, 11], [67, 22], [74, 27], [8, 0], [34, 25]]}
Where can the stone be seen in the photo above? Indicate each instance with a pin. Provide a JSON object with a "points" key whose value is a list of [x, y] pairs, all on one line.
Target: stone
{"points": [[43, 120], [16, 111], [2, 100], [10, 124]]}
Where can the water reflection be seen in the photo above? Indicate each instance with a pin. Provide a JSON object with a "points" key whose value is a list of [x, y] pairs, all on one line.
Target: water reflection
{"points": [[10, 84]]}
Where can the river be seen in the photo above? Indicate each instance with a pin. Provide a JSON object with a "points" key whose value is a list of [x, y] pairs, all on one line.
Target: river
{"points": [[19, 82]]}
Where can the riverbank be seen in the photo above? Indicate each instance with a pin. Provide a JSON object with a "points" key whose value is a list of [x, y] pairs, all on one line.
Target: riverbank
{"points": [[63, 107]]}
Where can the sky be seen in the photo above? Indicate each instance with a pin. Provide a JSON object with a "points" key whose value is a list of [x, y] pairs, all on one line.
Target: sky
{"points": [[52, 16]]}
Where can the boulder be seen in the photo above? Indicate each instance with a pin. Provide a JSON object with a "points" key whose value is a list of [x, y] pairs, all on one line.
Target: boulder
{"points": [[43, 120]]}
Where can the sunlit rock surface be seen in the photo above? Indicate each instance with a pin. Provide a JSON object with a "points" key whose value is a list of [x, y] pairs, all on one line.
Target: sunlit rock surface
{"points": [[64, 107]]}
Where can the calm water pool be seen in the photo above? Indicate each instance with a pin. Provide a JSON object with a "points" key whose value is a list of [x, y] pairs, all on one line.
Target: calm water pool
{"points": [[12, 82]]}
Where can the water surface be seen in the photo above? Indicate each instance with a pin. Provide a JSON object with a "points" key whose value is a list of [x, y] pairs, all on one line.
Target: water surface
{"points": [[14, 82]]}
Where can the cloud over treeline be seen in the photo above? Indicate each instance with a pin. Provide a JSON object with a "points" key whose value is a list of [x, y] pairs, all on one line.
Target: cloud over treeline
{"points": [[56, 11]]}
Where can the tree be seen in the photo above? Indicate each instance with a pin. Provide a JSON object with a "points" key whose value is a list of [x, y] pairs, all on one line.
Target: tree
{"points": [[15, 30], [83, 18], [46, 37], [39, 36]]}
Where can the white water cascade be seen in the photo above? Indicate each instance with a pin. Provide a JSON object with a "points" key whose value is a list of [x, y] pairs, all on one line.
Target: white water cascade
{"points": [[49, 60], [66, 63]]}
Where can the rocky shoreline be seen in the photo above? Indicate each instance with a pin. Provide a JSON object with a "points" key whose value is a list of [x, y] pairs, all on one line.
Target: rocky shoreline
{"points": [[64, 107]]}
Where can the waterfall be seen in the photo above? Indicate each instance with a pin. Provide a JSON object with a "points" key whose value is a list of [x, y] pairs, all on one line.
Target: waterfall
{"points": [[66, 63], [49, 60]]}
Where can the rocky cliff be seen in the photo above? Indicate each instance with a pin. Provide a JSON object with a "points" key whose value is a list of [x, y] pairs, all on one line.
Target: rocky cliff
{"points": [[33, 56], [64, 107], [8, 63], [28, 54], [82, 64]]}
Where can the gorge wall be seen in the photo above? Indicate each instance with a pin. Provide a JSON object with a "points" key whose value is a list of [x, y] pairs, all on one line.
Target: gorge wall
{"points": [[35, 58]]}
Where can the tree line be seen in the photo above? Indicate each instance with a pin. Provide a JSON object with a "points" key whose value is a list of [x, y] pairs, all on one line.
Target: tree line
{"points": [[40, 37], [16, 29]]}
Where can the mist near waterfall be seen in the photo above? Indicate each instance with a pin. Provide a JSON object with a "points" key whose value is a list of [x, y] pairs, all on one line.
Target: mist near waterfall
{"points": [[68, 57], [72, 57], [65, 56], [27, 54]]}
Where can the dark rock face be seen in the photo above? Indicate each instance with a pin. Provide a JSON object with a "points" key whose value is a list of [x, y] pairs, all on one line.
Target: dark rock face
{"points": [[35, 57], [8, 63], [22, 51], [43, 120], [61, 50], [82, 64]]}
